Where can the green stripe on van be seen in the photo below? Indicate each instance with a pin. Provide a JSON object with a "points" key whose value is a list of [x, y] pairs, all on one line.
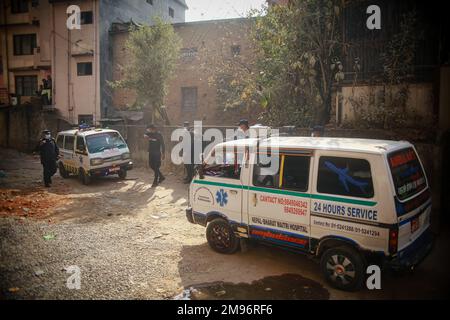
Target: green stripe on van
{"points": [[289, 193]]}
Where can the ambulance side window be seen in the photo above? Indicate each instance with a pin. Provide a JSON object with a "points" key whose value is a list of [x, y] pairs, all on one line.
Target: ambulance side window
{"points": [[69, 142], [264, 174], [227, 165], [296, 173], [60, 141], [345, 176], [81, 146]]}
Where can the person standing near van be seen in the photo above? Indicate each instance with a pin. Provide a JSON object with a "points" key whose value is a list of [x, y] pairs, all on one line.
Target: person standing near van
{"points": [[49, 153], [243, 130], [156, 152]]}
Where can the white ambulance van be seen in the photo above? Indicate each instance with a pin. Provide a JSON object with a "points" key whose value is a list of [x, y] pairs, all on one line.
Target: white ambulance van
{"points": [[349, 202], [93, 152]]}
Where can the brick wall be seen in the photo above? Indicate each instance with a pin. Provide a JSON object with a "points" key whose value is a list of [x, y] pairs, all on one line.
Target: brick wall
{"points": [[213, 40]]}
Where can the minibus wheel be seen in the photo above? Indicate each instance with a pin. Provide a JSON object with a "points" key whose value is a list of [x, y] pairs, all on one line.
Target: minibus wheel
{"points": [[84, 178], [221, 237], [343, 268], [123, 174], [62, 171]]}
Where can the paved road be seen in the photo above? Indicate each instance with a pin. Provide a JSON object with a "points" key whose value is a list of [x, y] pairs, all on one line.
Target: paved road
{"points": [[133, 242]]}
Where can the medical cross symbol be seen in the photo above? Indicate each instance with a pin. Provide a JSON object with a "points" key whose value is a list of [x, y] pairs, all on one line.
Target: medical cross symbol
{"points": [[222, 197]]}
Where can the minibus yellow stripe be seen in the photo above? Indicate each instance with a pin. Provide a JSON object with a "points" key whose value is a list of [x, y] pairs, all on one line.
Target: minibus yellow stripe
{"points": [[282, 170]]}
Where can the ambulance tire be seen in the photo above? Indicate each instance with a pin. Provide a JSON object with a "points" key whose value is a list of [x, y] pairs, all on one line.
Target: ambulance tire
{"points": [[62, 171], [343, 268], [221, 237], [123, 174], [84, 178]]}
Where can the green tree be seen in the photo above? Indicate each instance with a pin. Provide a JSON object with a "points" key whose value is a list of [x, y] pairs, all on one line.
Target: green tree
{"points": [[153, 54], [296, 63]]}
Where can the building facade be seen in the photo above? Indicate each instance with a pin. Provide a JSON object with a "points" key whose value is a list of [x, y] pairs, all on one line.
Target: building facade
{"points": [[192, 93], [35, 44]]}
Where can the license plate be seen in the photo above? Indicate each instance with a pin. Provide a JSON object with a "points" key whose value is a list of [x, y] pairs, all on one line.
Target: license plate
{"points": [[115, 169], [415, 224]]}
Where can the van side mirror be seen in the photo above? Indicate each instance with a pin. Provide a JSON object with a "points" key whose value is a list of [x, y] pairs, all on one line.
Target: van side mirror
{"points": [[200, 167]]}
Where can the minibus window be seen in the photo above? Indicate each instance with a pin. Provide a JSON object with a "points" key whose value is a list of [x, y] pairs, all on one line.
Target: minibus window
{"points": [[60, 141], [69, 142], [81, 146], [407, 173], [226, 165], [345, 176], [296, 173], [264, 175]]}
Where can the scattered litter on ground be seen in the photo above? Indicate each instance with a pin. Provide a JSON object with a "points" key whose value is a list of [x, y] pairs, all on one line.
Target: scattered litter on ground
{"points": [[49, 237]]}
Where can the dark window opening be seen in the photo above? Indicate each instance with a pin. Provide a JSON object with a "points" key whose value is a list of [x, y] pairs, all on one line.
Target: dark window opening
{"points": [[24, 44], [263, 173], [189, 98], [296, 173], [84, 69], [19, 6], [226, 165], [171, 12], [81, 146], [86, 119], [69, 143], [86, 17], [345, 176], [60, 141], [26, 85], [150, 2]]}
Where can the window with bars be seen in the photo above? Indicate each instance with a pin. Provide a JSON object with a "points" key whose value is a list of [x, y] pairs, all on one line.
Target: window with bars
{"points": [[26, 85], [19, 6], [24, 44], [189, 98]]}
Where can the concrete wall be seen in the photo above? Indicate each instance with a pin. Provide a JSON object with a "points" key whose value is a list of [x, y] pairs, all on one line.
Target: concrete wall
{"points": [[21, 127], [419, 103]]}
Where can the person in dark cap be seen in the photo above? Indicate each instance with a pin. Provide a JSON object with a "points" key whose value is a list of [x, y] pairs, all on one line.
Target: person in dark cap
{"points": [[243, 131], [49, 153], [317, 131], [156, 152]]}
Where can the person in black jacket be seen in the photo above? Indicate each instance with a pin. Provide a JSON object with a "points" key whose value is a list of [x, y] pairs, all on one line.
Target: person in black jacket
{"points": [[156, 153], [49, 153]]}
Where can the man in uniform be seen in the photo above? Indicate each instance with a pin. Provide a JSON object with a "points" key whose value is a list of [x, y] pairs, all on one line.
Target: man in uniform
{"points": [[49, 153], [156, 153]]}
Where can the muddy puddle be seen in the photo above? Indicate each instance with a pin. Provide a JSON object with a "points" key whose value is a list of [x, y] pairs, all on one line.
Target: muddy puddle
{"points": [[283, 287]]}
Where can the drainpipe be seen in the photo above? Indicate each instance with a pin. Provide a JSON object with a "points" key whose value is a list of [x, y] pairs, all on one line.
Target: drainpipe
{"points": [[5, 18]]}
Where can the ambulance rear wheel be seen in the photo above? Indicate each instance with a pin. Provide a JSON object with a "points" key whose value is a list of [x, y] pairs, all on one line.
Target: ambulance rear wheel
{"points": [[343, 268], [84, 178], [62, 171], [221, 237]]}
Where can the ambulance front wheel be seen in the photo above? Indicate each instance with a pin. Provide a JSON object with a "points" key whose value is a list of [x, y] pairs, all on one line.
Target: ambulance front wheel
{"points": [[221, 237], [62, 171], [343, 268], [84, 177], [122, 174]]}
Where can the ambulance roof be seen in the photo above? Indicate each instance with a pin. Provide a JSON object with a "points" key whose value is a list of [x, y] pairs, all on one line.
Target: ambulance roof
{"points": [[85, 132], [325, 143]]}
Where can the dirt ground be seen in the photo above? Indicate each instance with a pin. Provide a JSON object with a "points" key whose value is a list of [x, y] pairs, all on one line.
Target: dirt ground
{"points": [[133, 242]]}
